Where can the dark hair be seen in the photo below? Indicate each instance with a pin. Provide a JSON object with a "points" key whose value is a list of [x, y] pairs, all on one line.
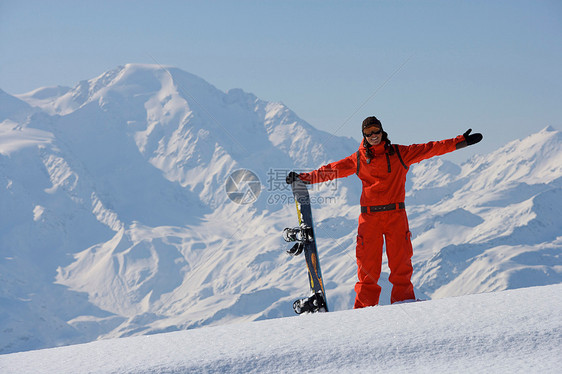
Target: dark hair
{"points": [[371, 121]]}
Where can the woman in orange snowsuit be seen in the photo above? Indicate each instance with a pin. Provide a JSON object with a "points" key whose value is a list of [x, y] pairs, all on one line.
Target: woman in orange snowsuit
{"points": [[382, 168]]}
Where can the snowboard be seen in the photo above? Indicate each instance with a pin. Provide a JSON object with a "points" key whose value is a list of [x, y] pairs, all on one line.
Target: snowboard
{"points": [[305, 242]]}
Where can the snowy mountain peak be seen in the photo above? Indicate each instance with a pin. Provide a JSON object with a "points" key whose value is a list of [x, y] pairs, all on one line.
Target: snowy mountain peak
{"points": [[13, 108], [533, 160]]}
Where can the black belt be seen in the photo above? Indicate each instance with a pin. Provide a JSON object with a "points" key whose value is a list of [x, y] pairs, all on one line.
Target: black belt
{"points": [[382, 208]]}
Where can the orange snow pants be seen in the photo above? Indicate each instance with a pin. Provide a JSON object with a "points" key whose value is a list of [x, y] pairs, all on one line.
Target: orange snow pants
{"points": [[393, 226]]}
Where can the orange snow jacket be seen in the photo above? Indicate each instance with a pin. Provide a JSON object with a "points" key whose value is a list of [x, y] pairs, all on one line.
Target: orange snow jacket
{"points": [[384, 176]]}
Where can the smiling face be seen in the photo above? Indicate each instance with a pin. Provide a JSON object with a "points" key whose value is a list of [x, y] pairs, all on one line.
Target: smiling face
{"points": [[373, 134]]}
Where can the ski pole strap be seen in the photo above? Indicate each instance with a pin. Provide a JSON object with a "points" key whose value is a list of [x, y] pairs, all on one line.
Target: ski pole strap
{"points": [[382, 208]]}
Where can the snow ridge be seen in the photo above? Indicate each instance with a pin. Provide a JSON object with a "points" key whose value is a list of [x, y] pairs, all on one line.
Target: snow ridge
{"points": [[513, 331]]}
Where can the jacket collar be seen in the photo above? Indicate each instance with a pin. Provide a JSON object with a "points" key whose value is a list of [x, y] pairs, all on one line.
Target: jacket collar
{"points": [[377, 149]]}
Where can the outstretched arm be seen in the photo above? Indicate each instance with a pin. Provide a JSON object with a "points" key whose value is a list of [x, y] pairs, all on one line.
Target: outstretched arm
{"points": [[419, 152], [337, 169]]}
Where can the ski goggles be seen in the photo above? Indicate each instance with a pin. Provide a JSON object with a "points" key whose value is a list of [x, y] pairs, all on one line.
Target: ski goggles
{"points": [[372, 133]]}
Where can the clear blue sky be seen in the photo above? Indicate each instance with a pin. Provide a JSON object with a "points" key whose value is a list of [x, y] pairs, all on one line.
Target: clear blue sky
{"points": [[435, 68]]}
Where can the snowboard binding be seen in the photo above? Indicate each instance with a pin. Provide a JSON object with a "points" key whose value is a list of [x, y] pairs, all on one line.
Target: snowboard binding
{"points": [[296, 249], [300, 235], [312, 304]]}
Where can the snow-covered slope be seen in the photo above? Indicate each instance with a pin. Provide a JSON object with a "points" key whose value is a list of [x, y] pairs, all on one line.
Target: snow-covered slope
{"points": [[517, 331], [493, 223], [115, 220]]}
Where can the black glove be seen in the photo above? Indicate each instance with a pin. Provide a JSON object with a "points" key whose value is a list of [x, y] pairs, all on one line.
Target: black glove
{"points": [[472, 139], [292, 177], [469, 139]]}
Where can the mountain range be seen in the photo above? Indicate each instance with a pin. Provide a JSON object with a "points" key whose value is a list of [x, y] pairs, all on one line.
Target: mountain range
{"points": [[117, 217]]}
